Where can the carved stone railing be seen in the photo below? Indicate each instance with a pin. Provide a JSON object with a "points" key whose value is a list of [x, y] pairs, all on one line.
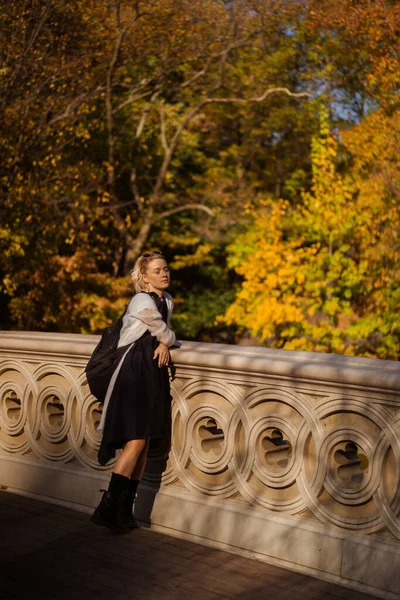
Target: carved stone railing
{"points": [[289, 457]]}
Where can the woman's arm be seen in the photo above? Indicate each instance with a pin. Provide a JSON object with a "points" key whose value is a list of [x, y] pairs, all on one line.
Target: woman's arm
{"points": [[157, 327]]}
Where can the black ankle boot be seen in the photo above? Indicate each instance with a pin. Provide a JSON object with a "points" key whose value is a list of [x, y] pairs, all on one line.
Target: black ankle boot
{"points": [[130, 501], [112, 511]]}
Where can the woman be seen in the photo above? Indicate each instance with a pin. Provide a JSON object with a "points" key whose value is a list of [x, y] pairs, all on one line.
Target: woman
{"points": [[137, 403]]}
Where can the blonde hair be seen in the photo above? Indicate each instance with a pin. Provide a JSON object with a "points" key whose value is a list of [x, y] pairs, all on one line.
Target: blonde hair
{"points": [[140, 268]]}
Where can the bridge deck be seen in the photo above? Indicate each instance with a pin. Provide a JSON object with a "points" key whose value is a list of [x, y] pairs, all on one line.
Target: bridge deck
{"points": [[48, 552]]}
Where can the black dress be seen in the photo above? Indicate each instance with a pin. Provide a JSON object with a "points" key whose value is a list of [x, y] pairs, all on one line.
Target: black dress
{"points": [[140, 402]]}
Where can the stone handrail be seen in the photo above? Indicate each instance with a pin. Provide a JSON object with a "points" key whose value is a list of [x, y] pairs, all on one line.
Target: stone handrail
{"points": [[292, 457]]}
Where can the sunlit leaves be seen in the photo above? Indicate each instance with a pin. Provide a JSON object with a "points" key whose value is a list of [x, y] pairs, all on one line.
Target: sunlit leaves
{"points": [[324, 275], [94, 165]]}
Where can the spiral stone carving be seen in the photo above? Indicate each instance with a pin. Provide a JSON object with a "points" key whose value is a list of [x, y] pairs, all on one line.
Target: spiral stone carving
{"points": [[296, 445], [46, 411], [335, 458]]}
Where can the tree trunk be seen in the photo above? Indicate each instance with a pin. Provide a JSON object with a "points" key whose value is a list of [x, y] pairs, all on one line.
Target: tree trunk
{"points": [[136, 247]]}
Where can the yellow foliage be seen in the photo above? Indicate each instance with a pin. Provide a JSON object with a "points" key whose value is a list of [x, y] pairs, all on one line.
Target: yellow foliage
{"points": [[324, 275], [201, 256]]}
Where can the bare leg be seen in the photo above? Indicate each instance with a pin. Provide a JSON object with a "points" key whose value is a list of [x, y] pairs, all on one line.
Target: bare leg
{"points": [[129, 456], [115, 508], [141, 462]]}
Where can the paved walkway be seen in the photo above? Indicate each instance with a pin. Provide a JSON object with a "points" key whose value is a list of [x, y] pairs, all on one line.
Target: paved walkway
{"points": [[52, 553]]}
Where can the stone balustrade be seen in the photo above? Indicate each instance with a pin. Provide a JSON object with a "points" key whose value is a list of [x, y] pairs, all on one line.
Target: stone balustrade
{"points": [[290, 457]]}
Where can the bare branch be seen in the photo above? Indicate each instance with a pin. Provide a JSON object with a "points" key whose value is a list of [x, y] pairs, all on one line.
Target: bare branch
{"points": [[223, 53], [122, 31], [178, 209], [131, 99], [164, 72], [171, 148], [136, 244], [75, 103], [256, 98], [197, 75], [115, 206], [163, 130], [109, 108], [139, 130], [145, 114]]}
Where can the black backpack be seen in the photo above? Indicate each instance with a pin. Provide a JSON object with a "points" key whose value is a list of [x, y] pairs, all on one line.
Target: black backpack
{"points": [[101, 364]]}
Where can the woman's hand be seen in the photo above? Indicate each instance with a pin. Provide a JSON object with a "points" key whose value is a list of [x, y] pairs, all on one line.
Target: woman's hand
{"points": [[163, 355]]}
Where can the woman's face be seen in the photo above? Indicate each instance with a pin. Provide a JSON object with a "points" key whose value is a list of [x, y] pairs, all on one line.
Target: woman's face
{"points": [[157, 276]]}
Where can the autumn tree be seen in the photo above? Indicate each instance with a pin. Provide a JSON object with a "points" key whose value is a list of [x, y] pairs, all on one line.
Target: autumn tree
{"points": [[50, 237], [129, 124], [104, 109], [355, 46], [176, 80], [323, 275]]}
